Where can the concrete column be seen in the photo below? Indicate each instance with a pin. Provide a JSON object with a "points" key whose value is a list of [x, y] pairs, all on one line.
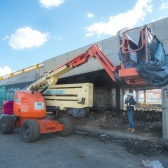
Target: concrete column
{"points": [[124, 96], [137, 96], [165, 112], [120, 98], [122, 93], [113, 97], [130, 90], [165, 123], [144, 96], [118, 103]]}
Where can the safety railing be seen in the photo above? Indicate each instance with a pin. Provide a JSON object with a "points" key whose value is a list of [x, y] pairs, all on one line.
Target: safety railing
{"points": [[28, 69]]}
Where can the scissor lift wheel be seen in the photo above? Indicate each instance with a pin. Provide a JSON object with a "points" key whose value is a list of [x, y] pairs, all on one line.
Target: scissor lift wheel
{"points": [[7, 124], [30, 131], [67, 127]]}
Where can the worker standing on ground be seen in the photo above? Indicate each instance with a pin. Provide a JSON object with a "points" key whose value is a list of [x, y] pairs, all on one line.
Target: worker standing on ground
{"points": [[130, 103]]}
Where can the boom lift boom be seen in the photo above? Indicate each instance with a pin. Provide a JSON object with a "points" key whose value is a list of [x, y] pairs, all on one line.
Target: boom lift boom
{"points": [[52, 77]]}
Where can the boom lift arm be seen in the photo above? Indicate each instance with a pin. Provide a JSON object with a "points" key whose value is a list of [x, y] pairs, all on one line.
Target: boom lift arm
{"points": [[52, 77]]}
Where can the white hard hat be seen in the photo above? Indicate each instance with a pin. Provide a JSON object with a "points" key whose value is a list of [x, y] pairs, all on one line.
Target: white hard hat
{"points": [[130, 94]]}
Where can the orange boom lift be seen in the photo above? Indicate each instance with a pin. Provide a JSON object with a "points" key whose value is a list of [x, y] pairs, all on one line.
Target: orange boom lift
{"points": [[30, 107]]}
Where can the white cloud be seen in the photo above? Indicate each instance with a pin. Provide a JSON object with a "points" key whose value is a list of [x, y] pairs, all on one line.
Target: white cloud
{"points": [[59, 37], [5, 38], [90, 15], [89, 34], [119, 21], [164, 6], [5, 70], [50, 3], [27, 38]]}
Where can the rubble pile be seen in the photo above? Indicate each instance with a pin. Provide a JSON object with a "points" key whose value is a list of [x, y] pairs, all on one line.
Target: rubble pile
{"points": [[119, 123], [139, 115], [148, 116], [149, 107], [147, 148]]}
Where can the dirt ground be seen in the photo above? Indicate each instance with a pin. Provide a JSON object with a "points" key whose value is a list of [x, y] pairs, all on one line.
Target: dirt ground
{"points": [[106, 121], [74, 151], [83, 149]]}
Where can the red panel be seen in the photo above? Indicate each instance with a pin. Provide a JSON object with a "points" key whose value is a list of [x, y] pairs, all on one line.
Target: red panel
{"points": [[131, 77], [128, 72], [46, 125]]}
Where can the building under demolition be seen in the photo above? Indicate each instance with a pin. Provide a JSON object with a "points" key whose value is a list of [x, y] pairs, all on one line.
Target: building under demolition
{"points": [[107, 93]]}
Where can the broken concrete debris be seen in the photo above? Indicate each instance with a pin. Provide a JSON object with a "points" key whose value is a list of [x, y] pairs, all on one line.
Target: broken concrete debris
{"points": [[152, 164]]}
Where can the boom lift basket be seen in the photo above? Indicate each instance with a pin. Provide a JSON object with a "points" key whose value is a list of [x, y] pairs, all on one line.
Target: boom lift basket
{"points": [[144, 63]]}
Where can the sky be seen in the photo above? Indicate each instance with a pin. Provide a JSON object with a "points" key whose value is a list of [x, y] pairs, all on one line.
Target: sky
{"points": [[32, 31]]}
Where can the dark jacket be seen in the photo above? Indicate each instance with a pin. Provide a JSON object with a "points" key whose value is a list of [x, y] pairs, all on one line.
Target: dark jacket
{"points": [[130, 104]]}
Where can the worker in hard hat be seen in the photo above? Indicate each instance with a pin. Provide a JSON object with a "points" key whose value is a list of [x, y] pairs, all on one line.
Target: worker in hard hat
{"points": [[130, 103]]}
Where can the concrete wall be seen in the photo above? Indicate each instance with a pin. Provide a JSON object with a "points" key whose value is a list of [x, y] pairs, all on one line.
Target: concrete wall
{"points": [[91, 65], [25, 77], [160, 28]]}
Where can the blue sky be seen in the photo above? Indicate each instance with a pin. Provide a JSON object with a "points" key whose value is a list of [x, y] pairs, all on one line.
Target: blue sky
{"points": [[32, 31]]}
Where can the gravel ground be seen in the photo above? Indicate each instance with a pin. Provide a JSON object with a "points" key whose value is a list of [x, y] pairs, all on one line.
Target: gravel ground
{"points": [[73, 152]]}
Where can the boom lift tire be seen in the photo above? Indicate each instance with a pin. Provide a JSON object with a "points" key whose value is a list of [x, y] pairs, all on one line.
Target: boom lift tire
{"points": [[7, 124], [67, 127], [30, 131]]}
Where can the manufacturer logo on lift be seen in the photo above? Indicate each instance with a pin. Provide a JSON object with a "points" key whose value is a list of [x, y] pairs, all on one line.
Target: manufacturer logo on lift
{"points": [[55, 92]]}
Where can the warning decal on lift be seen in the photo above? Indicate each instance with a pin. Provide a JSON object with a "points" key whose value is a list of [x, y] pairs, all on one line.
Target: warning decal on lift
{"points": [[39, 106]]}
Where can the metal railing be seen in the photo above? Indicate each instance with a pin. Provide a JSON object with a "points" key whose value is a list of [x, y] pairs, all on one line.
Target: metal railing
{"points": [[28, 69]]}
